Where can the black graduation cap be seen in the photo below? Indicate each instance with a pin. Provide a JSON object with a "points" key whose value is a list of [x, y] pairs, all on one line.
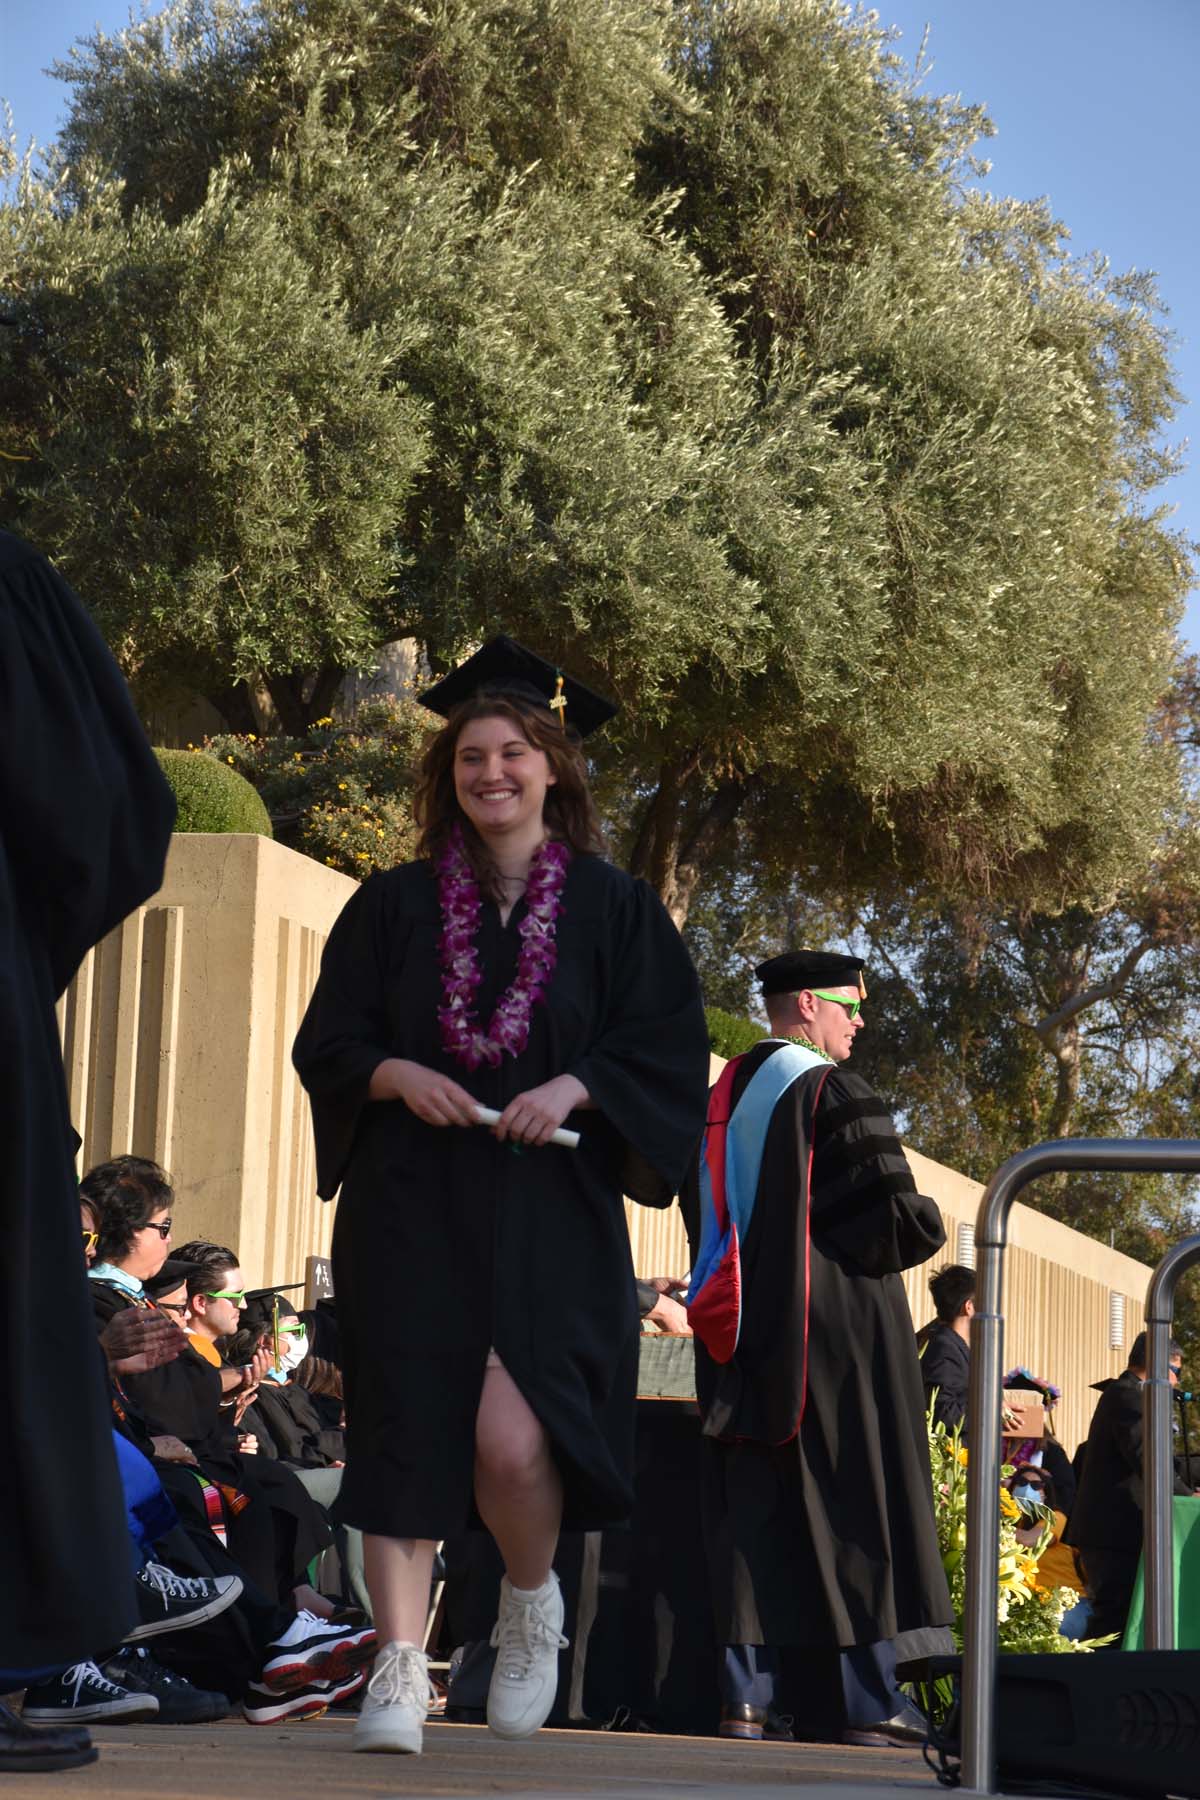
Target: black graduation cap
{"points": [[799, 969], [173, 1274], [504, 667], [260, 1306]]}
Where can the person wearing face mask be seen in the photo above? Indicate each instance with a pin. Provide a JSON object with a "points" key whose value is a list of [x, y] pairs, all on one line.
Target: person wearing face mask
{"points": [[1034, 1492], [286, 1425]]}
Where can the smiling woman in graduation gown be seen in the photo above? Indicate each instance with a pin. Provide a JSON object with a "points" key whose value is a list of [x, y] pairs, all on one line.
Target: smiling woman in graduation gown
{"points": [[85, 820], [448, 1242]]}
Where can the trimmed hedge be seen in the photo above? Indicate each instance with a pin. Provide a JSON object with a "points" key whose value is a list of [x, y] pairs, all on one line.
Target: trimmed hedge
{"points": [[211, 796], [729, 1035]]}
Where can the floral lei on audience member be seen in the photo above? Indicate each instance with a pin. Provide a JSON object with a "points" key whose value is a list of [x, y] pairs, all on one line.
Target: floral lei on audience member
{"points": [[461, 904]]}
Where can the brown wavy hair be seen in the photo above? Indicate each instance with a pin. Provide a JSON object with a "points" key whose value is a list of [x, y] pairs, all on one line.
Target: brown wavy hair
{"points": [[569, 811]]}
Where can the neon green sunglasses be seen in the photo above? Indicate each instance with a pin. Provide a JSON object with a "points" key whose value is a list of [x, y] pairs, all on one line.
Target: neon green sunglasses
{"points": [[853, 1007]]}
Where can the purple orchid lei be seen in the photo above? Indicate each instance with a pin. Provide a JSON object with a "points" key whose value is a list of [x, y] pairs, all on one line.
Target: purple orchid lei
{"points": [[461, 904]]}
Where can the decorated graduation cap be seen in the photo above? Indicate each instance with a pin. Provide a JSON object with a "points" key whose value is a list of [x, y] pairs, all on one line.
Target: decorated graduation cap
{"points": [[797, 970], [172, 1275], [507, 670]]}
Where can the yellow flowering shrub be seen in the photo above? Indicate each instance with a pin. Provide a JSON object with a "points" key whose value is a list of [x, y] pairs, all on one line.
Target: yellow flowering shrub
{"points": [[342, 793]]}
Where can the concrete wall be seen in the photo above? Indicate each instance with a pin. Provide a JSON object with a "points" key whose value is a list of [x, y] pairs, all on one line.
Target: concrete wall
{"points": [[177, 1038]]}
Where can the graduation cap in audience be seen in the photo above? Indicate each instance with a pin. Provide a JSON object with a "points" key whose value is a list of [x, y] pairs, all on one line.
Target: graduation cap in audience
{"points": [[267, 1306], [173, 1274], [506, 669], [799, 970]]}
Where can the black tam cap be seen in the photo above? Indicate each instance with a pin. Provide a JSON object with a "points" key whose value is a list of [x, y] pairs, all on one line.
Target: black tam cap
{"points": [[173, 1274], [799, 969], [505, 668]]}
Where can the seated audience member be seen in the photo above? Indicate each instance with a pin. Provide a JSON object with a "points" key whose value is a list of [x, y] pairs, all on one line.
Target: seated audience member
{"points": [[946, 1349], [127, 1684], [216, 1296], [1106, 1520], [287, 1426], [304, 1661], [1033, 1488]]}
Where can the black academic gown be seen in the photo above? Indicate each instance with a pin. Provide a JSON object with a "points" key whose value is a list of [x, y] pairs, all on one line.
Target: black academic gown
{"points": [[448, 1242], [85, 819], [817, 1501]]}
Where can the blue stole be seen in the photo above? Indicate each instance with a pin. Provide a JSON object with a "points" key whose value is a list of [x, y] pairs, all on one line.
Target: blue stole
{"points": [[730, 1162]]}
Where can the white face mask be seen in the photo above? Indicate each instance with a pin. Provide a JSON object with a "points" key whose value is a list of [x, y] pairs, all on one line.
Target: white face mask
{"points": [[293, 1349]]}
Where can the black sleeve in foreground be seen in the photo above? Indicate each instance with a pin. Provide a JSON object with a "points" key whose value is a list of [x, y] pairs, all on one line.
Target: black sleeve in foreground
{"points": [[343, 1036], [647, 1072], [85, 813], [864, 1200]]}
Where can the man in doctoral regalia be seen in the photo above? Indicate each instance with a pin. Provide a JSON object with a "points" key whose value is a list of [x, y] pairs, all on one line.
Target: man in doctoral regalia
{"points": [[801, 1211]]}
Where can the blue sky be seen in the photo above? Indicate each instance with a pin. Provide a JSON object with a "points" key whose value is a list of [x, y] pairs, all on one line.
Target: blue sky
{"points": [[1094, 101]]}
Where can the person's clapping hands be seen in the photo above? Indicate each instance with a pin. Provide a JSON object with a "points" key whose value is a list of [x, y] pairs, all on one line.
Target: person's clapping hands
{"points": [[253, 1375], [138, 1339], [668, 1313]]}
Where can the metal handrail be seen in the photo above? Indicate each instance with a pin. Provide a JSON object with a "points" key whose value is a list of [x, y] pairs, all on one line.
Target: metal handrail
{"points": [[1157, 1447], [980, 1639]]}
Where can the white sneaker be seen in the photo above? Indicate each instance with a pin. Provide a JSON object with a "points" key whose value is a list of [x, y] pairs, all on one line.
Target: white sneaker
{"points": [[395, 1703], [527, 1638]]}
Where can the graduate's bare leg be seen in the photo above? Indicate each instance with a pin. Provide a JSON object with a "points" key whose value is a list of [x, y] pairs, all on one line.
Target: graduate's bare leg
{"points": [[398, 1573], [518, 1489]]}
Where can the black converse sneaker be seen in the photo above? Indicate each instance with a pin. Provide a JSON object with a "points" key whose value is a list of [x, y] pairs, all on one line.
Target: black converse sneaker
{"points": [[170, 1602], [80, 1696], [179, 1702]]}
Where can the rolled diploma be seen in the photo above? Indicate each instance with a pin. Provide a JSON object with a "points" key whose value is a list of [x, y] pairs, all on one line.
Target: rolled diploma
{"points": [[568, 1139]]}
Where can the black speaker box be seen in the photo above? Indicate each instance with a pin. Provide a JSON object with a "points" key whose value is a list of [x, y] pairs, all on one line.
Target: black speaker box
{"points": [[1124, 1722]]}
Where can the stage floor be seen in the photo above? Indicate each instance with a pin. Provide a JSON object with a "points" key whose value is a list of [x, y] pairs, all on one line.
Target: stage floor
{"points": [[314, 1762]]}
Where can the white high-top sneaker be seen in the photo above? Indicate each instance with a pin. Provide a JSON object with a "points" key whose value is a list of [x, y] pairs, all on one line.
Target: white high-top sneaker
{"points": [[527, 1638], [395, 1702]]}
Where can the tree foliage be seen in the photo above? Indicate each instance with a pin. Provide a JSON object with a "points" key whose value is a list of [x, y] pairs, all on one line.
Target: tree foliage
{"points": [[672, 338]]}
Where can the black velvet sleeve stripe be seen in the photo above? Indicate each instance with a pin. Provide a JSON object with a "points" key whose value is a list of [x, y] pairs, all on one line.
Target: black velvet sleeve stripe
{"points": [[834, 1118], [888, 1179], [846, 1153], [845, 1207]]}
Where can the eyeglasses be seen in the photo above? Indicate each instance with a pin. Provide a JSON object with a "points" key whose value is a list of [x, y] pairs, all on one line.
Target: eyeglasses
{"points": [[235, 1294], [163, 1228], [852, 1006], [90, 1240], [179, 1306]]}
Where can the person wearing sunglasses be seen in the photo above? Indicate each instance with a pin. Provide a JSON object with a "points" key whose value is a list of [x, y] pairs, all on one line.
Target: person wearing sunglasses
{"points": [[819, 1517], [130, 1200]]}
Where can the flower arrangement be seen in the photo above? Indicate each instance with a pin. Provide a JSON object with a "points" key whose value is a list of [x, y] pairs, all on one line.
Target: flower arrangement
{"points": [[460, 898], [1028, 1613]]}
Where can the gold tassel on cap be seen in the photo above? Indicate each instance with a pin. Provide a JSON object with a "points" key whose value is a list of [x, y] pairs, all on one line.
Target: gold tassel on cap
{"points": [[559, 702]]}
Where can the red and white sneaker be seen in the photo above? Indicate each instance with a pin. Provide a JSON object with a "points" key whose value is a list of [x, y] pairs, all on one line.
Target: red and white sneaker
{"points": [[315, 1650]]}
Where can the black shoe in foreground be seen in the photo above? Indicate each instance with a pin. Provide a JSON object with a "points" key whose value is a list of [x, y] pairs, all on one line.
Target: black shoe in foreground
{"points": [[170, 1602], [179, 1702], [742, 1721], [908, 1726], [82, 1695], [25, 1751]]}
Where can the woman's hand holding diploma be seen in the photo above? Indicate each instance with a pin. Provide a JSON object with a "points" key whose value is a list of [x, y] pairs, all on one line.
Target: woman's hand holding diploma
{"points": [[434, 1097], [534, 1117], [529, 1118]]}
